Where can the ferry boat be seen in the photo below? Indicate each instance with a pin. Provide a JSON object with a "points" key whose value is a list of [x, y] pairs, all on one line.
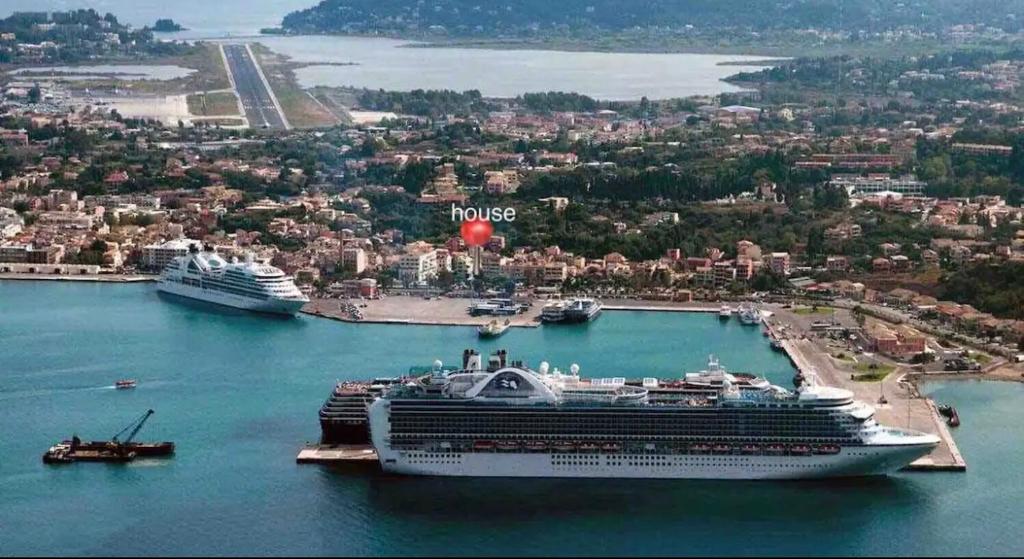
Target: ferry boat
{"points": [[493, 329], [749, 315], [205, 276], [501, 418], [725, 312], [553, 312], [582, 309]]}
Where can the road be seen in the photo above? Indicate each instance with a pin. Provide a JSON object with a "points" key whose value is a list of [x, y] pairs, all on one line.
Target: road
{"points": [[261, 107]]}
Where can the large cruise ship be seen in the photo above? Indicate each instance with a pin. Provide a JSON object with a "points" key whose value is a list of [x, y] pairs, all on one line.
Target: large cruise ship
{"points": [[505, 419], [205, 276]]}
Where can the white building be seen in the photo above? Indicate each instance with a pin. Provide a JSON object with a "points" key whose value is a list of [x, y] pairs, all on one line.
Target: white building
{"points": [[10, 223], [858, 186], [156, 256], [417, 267], [353, 259]]}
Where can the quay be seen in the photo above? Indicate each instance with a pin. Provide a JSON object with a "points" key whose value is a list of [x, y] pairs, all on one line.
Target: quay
{"points": [[404, 309], [100, 278], [895, 399], [337, 454]]}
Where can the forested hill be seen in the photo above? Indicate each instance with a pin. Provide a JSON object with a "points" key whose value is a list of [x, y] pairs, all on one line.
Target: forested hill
{"points": [[524, 17]]}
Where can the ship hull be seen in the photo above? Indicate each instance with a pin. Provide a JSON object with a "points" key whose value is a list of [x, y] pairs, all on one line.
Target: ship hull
{"points": [[285, 307], [850, 462]]}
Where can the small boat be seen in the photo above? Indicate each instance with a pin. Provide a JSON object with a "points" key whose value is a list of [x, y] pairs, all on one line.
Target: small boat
{"points": [[725, 312], [799, 449], [722, 449], [826, 449], [954, 419], [125, 384], [611, 447], [493, 329], [483, 445]]}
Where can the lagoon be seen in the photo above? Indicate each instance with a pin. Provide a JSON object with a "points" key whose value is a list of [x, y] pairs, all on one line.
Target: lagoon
{"points": [[401, 66]]}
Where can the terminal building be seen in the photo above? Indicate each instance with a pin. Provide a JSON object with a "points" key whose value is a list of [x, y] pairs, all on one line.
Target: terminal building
{"points": [[879, 183]]}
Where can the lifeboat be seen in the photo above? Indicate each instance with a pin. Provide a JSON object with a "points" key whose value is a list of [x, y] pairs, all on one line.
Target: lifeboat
{"points": [[775, 449], [588, 447], [611, 447], [700, 447], [722, 448], [483, 445], [826, 449], [536, 446], [563, 447], [750, 449], [508, 446], [799, 449]]}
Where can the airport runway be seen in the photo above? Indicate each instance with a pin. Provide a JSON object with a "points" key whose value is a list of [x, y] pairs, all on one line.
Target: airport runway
{"points": [[258, 101]]}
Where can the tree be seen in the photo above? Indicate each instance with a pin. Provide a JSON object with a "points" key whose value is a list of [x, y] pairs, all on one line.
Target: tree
{"points": [[34, 94]]}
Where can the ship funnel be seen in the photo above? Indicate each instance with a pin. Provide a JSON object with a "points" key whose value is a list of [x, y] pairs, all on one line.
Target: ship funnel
{"points": [[474, 362]]}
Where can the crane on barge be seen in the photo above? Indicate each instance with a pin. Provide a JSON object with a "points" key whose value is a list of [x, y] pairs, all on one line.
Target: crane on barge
{"points": [[114, 450]]}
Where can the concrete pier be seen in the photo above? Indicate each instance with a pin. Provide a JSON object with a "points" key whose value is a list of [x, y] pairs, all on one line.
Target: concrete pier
{"points": [[902, 407]]}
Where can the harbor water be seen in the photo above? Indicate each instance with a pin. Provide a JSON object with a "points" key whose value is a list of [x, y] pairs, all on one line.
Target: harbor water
{"points": [[239, 395]]}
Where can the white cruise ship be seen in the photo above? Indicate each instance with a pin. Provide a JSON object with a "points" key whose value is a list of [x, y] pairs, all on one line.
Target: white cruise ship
{"points": [[504, 419], [205, 276]]}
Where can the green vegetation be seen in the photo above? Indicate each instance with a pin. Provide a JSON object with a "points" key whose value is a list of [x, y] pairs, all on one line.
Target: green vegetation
{"points": [[76, 36], [996, 289], [572, 17], [218, 103], [871, 372], [812, 310], [166, 26], [431, 103]]}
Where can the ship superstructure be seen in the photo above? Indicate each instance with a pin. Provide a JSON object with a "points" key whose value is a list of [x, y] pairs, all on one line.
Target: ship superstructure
{"points": [[505, 419], [582, 309], [205, 276]]}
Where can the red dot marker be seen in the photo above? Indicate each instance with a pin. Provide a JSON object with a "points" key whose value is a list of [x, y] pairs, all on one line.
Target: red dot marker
{"points": [[476, 232]]}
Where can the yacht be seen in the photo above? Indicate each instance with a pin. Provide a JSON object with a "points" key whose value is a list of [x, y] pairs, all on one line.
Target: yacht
{"points": [[204, 276]]}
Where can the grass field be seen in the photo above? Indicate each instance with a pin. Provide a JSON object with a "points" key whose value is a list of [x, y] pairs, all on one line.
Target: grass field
{"points": [[871, 372], [812, 310], [218, 103]]}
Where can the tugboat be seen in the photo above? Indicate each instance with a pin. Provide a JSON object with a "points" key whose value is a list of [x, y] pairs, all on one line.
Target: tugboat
{"points": [[493, 329]]}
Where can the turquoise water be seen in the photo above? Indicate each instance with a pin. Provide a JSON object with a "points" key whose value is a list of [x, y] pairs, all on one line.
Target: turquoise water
{"points": [[239, 394]]}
